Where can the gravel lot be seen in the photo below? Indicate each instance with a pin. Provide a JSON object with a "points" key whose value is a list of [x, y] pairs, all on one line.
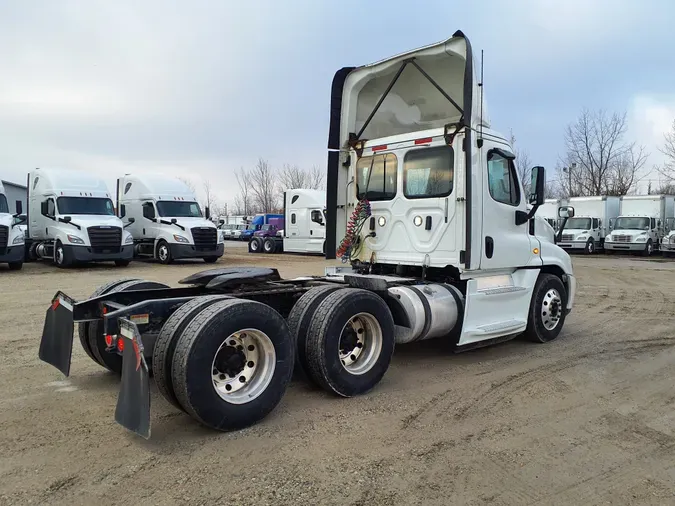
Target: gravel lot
{"points": [[588, 419]]}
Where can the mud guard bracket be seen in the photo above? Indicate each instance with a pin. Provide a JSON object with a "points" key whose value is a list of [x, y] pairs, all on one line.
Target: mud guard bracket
{"points": [[56, 344], [133, 403]]}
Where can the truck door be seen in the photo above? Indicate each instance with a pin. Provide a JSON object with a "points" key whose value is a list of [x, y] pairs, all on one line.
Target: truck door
{"points": [[150, 225], [505, 244], [317, 226]]}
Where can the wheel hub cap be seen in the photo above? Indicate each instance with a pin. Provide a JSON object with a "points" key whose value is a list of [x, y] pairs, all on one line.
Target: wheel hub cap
{"points": [[551, 309], [360, 343]]}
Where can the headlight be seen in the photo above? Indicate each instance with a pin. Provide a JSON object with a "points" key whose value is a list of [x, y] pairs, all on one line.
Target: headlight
{"points": [[220, 237], [641, 238], [129, 239], [74, 239], [18, 239], [582, 237], [672, 239], [608, 238], [180, 238]]}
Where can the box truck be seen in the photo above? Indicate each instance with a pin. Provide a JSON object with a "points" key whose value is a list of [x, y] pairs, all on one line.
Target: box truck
{"points": [[430, 215], [641, 224], [165, 220], [301, 230], [593, 220], [71, 219], [12, 226], [668, 240]]}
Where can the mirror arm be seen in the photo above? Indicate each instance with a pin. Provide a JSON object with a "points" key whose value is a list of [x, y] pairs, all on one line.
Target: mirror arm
{"points": [[558, 236], [522, 217]]}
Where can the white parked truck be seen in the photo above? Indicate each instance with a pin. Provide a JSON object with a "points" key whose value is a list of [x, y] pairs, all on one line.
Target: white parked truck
{"points": [[668, 240], [641, 224], [165, 220], [12, 240], [71, 219], [548, 211], [593, 219], [435, 227], [303, 228]]}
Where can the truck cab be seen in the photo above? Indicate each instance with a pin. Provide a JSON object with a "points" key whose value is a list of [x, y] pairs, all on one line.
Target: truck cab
{"points": [[422, 186], [668, 241], [641, 224], [12, 227], [593, 220], [71, 219], [165, 220]]}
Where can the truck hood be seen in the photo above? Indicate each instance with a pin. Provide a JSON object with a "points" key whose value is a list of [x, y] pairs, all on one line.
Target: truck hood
{"points": [[413, 102], [190, 222], [88, 220]]}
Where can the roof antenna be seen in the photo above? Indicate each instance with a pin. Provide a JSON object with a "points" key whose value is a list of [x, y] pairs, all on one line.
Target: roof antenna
{"points": [[480, 85]]}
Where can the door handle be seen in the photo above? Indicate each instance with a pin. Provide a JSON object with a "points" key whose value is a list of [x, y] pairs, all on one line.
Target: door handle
{"points": [[489, 246], [427, 225]]}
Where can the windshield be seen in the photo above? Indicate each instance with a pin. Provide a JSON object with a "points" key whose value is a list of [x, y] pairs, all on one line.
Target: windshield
{"points": [[85, 205], [578, 224], [266, 227], [175, 209], [4, 208], [626, 223]]}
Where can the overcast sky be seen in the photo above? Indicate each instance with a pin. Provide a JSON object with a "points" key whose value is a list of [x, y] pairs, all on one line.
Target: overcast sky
{"points": [[199, 88]]}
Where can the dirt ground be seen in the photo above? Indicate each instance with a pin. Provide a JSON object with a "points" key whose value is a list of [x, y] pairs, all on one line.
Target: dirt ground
{"points": [[587, 419]]}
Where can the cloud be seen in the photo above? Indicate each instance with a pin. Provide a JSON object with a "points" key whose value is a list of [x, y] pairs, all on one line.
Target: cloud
{"points": [[650, 117]]}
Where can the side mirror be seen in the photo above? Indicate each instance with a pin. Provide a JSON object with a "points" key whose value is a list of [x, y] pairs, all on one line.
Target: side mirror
{"points": [[66, 219], [173, 221], [221, 222], [537, 185], [132, 220], [19, 207], [207, 212], [566, 212]]}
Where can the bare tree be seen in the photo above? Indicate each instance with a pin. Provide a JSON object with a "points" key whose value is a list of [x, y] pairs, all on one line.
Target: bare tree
{"points": [[292, 176], [523, 164], [668, 149], [597, 160], [263, 186], [210, 199], [242, 202]]}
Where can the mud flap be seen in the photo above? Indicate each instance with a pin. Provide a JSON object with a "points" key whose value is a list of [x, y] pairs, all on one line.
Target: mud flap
{"points": [[56, 344], [133, 402]]}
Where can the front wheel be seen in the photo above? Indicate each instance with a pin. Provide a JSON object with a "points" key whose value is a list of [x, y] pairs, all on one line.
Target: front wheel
{"points": [[649, 248], [60, 256], [590, 247], [211, 260], [15, 266], [164, 253], [122, 263], [547, 309]]}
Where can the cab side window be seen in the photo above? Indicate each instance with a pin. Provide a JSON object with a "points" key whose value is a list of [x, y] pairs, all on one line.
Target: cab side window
{"points": [[148, 211], [502, 180], [595, 223]]}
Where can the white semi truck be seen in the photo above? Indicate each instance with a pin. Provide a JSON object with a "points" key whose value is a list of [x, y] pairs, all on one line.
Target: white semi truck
{"points": [[426, 203], [668, 240], [12, 241], [593, 220], [165, 220], [641, 224], [302, 229], [71, 219]]}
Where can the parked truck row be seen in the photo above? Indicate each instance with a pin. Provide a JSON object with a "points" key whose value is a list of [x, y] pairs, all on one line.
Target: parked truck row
{"points": [[439, 241], [633, 223]]}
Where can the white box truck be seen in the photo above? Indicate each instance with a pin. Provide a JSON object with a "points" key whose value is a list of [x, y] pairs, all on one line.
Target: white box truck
{"points": [[12, 226], [302, 229], [593, 220], [71, 219], [549, 212], [165, 220], [428, 209], [641, 224]]}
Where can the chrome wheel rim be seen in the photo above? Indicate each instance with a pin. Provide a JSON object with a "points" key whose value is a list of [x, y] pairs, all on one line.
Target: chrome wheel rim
{"points": [[254, 245], [163, 253], [268, 246], [551, 309], [360, 343], [59, 255], [243, 366]]}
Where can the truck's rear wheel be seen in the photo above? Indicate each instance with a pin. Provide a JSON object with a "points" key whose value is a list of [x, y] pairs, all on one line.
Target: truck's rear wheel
{"points": [[299, 320], [350, 342], [270, 245], [83, 328], [254, 245], [162, 354], [232, 364], [547, 309], [164, 253], [97, 344]]}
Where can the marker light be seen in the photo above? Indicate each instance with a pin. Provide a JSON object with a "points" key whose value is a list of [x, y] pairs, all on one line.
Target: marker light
{"points": [[381, 221], [120, 344], [417, 221], [535, 251]]}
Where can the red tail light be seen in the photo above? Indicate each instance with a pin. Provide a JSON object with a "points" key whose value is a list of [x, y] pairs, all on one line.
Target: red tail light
{"points": [[120, 344], [108, 340]]}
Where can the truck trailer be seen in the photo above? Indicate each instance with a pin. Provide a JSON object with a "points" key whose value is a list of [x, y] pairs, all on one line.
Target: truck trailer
{"points": [[71, 219], [407, 210], [640, 227], [301, 230], [593, 220], [12, 237], [165, 220]]}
